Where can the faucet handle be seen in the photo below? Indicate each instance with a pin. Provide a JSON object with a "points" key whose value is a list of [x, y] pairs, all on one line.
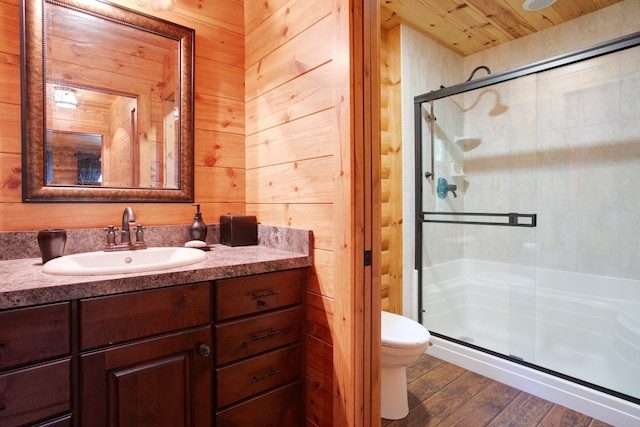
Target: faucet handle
{"points": [[111, 235], [443, 188], [139, 234]]}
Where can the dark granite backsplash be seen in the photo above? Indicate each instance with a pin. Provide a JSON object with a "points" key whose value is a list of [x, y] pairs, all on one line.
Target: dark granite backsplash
{"points": [[24, 244]]}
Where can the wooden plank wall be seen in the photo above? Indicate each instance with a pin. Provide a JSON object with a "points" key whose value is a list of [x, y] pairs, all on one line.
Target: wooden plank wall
{"points": [[299, 174], [219, 125], [120, 146], [293, 101], [391, 171], [290, 148]]}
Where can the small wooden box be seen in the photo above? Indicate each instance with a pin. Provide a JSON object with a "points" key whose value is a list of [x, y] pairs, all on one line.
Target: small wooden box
{"points": [[238, 230]]}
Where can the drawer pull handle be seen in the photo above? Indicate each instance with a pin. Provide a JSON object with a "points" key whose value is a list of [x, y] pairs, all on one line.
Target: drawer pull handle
{"points": [[204, 350], [269, 334], [265, 376], [264, 294]]}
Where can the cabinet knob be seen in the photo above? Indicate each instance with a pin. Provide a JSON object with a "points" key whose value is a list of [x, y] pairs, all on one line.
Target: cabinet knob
{"points": [[204, 350]]}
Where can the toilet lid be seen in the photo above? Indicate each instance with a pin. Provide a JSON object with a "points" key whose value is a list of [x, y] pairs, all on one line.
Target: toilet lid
{"points": [[399, 331]]}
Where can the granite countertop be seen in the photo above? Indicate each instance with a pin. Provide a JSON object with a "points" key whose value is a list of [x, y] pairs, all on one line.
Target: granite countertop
{"points": [[22, 282]]}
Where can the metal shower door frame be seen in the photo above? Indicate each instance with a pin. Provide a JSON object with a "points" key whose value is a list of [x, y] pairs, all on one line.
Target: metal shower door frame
{"points": [[604, 48]]}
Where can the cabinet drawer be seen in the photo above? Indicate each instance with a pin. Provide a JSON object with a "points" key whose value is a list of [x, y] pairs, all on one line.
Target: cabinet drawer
{"points": [[60, 422], [240, 380], [36, 393], [33, 334], [243, 338], [119, 318], [277, 408], [256, 294]]}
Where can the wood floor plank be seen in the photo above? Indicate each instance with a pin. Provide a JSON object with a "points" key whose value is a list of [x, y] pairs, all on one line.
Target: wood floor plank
{"points": [[425, 365], [420, 390], [445, 404], [444, 374], [526, 410], [484, 406], [445, 395], [467, 385], [559, 416], [444, 400]]}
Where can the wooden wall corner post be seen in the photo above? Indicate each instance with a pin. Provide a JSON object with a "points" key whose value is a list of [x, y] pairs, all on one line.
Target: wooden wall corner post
{"points": [[357, 205], [373, 277]]}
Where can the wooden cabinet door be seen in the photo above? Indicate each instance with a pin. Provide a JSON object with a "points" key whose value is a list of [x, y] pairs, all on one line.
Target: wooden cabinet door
{"points": [[164, 381]]}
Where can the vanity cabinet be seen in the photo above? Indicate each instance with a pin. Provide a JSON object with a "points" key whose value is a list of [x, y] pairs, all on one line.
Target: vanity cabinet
{"points": [[146, 358], [258, 352], [35, 366], [222, 353]]}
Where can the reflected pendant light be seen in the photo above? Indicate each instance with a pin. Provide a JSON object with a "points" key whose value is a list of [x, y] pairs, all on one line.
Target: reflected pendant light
{"points": [[65, 97], [157, 5]]}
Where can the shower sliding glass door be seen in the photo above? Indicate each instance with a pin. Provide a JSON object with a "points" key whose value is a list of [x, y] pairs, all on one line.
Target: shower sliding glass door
{"points": [[478, 221], [528, 235]]}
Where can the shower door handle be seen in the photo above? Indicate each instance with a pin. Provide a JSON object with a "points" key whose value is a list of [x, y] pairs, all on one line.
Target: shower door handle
{"points": [[513, 218]]}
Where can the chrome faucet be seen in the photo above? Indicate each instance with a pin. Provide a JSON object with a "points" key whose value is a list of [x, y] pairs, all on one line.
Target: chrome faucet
{"points": [[128, 216]]}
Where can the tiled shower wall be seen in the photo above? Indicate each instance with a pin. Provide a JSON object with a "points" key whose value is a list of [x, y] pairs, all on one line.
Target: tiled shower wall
{"points": [[425, 66], [583, 136], [568, 149]]}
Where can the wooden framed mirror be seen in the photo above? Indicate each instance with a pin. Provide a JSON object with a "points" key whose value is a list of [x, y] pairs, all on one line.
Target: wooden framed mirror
{"points": [[93, 71]]}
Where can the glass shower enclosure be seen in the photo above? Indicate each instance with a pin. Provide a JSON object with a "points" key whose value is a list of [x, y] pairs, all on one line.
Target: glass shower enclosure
{"points": [[528, 215]]}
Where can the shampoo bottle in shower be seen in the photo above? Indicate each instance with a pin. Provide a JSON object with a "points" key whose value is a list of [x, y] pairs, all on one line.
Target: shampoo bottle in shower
{"points": [[198, 229]]}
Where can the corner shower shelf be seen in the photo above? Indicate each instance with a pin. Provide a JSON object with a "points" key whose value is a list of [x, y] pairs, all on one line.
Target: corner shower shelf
{"points": [[457, 170], [467, 142]]}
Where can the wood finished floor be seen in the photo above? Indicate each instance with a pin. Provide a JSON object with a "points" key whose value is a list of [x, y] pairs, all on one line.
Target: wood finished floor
{"points": [[442, 394]]}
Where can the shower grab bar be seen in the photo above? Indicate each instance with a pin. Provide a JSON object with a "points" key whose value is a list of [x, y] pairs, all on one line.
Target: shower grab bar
{"points": [[513, 218], [432, 119]]}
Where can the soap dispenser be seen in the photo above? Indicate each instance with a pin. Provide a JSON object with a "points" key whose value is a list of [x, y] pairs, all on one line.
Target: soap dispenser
{"points": [[198, 229]]}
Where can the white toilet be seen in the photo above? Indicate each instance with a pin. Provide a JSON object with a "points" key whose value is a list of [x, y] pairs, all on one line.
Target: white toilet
{"points": [[403, 341]]}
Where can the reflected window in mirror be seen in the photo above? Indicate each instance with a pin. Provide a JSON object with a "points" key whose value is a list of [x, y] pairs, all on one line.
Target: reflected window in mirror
{"points": [[73, 158]]}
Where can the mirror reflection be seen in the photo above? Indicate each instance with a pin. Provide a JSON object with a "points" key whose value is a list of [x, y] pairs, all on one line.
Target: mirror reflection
{"points": [[116, 93], [130, 81]]}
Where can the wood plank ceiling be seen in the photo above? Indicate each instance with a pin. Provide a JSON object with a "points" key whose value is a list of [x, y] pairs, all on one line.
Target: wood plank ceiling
{"points": [[471, 26]]}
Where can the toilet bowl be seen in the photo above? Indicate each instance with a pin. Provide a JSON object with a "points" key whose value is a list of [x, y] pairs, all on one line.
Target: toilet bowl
{"points": [[403, 341]]}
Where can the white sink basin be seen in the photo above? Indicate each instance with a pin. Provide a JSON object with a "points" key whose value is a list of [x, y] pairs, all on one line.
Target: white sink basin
{"points": [[95, 263]]}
